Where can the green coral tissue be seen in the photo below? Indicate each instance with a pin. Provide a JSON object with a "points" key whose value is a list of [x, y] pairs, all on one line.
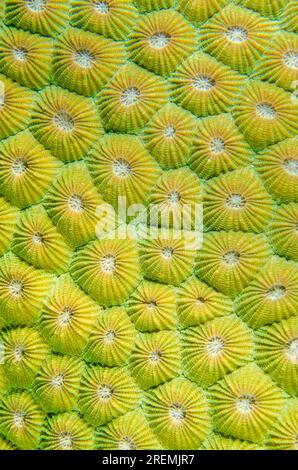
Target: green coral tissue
{"points": [[148, 224]]}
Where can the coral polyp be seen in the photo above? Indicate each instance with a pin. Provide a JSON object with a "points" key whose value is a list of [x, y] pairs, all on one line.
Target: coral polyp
{"points": [[169, 134], [107, 269], [111, 18], [289, 16], [131, 98], [65, 123], [27, 169], [205, 86], [269, 109], [218, 147], [84, 62], [8, 219], [198, 11], [283, 231], [237, 37], [283, 434], [177, 411], [161, 40], [151, 307], [246, 403], [25, 57]]}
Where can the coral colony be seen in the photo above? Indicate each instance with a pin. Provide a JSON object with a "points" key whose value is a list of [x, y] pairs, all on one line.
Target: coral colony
{"points": [[148, 224]]}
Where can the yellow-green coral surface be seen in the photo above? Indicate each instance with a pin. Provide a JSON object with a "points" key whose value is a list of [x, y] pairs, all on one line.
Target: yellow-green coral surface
{"points": [[113, 341]]}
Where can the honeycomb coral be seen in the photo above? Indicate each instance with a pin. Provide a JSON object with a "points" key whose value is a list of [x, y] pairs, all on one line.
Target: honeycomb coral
{"points": [[148, 225]]}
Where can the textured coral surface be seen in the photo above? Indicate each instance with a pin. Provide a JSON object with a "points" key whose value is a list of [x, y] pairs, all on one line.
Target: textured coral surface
{"points": [[179, 340]]}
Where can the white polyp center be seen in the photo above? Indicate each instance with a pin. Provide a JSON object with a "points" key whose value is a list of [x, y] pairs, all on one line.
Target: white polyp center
{"points": [[155, 357], [121, 168], [159, 40], [36, 5], [19, 167], [104, 392], [245, 403], [102, 7], [152, 305], [130, 96], [167, 252], [291, 59], [57, 381], [292, 351], [108, 264], [65, 441], [109, 337], [126, 444], [16, 287], [84, 58], [75, 203], [200, 301], [235, 201], [231, 257], [203, 83], [19, 419], [266, 111], [276, 292], [177, 413], [174, 197], [291, 166], [65, 315], [64, 121], [236, 34], [217, 145], [19, 353], [169, 131], [20, 54], [37, 238], [215, 346]]}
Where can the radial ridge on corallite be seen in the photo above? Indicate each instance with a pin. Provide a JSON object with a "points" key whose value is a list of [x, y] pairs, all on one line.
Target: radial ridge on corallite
{"points": [[169, 134], [277, 353], [219, 442], [237, 37], [245, 404], [111, 18], [218, 147], [46, 17], [128, 432], [152, 307], [177, 411], [106, 393], [85, 62], [214, 349], [198, 11], [8, 219], [65, 123], [68, 317], [283, 433], [25, 57], [270, 8], [161, 40], [289, 16], [131, 98], [155, 358], [205, 86], [112, 338]]}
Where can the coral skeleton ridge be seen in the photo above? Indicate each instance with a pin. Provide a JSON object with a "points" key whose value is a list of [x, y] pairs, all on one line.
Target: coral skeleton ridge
{"points": [[148, 225]]}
